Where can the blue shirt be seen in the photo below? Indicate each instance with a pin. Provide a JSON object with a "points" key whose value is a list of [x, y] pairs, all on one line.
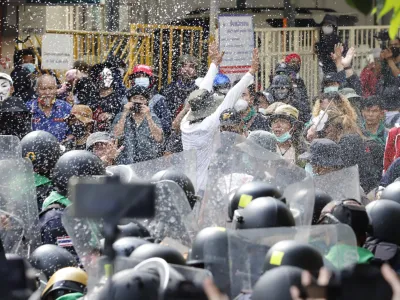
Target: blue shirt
{"points": [[55, 123]]}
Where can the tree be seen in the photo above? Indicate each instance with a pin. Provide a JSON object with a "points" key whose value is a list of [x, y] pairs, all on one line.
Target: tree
{"points": [[382, 8]]}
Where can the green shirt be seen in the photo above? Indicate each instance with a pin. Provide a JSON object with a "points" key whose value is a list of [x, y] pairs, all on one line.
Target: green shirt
{"points": [[41, 180], [72, 296], [55, 197], [342, 255]]}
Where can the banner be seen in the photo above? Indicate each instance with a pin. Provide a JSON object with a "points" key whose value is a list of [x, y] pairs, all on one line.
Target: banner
{"points": [[57, 51]]}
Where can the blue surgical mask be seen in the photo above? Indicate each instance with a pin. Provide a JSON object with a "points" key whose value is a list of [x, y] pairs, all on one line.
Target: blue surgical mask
{"points": [[331, 89], [30, 67], [142, 81], [309, 169], [283, 138]]}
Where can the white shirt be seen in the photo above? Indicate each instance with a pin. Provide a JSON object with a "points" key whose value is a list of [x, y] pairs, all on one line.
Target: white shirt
{"points": [[200, 136]]}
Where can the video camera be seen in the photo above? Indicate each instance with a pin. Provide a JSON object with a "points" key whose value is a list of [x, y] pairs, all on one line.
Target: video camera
{"points": [[383, 37]]}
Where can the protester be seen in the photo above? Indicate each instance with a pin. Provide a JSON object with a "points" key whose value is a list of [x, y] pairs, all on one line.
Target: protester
{"points": [[392, 149], [329, 38], [373, 115], [355, 101], [103, 146], [261, 102], [177, 91], [294, 64], [140, 129], [81, 124], [6, 86], [48, 112], [64, 92], [371, 75], [231, 121], [390, 58], [142, 75], [392, 106]]}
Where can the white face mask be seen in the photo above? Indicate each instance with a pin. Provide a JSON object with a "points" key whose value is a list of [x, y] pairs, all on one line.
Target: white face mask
{"points": [[327, 30], [107, 77], [241, 105], [142, 81], [5, 89], [262, 110]]}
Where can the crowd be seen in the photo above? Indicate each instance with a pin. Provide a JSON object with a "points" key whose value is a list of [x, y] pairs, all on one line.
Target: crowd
{"points": [[92, 122]]}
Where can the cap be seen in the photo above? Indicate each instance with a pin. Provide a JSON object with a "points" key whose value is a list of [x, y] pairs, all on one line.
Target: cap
{"points": [[138, 90], [329, 19], [7, 77], [229, 117], [349, 93], [82, 112], [202, 104], [97, 137], [142, 69], [331, 77], [324, 153], [263, 138], [272, 108], [289, 57], [285, 111]]}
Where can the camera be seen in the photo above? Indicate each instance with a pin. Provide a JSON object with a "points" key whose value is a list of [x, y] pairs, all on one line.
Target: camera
{"points": [[137, 107], [384, 37]]}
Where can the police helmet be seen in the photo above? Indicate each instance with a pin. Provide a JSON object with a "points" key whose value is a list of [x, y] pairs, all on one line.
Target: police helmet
{"points": [[392, 192], [146, 251]]}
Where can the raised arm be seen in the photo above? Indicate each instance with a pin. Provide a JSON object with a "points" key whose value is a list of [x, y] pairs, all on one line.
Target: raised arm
{"points": [[216, 59]]}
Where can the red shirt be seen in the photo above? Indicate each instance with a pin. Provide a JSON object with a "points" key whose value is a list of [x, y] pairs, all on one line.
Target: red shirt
{"points": [[392, 150], [369, 80]]}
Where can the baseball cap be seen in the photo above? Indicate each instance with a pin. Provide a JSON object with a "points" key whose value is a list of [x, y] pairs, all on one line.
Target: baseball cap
{"points": [[82, 112], [285, 111], [142, 69], [332, 77], [349, 93], [97, 137], [7, 77], [229, 117], [324, 153]]}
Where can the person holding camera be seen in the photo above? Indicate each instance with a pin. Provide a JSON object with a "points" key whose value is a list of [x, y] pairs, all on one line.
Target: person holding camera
{"points": [[391, 63], [139, 128]]}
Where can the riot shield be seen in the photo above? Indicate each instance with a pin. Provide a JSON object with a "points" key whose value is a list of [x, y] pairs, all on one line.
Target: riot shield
{"points": [[10, 147], [183, 161], [172, 219], [340, 185], [19, 215], [238, 265], [232, 167]]}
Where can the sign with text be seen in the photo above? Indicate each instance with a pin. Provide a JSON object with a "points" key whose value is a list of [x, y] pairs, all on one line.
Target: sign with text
{"points": [[57, 51], [236, 39]]}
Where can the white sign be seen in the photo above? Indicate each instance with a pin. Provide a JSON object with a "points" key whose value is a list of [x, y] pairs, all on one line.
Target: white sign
{"points": [[57, 51], [236, 39]]}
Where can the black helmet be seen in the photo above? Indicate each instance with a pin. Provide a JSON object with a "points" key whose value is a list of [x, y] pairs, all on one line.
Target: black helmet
{"points": [[281, 81], [129, 284], [211, 236], [15, 118], [133, 229], [321, 199], [181, 179], [282, 69], [292, 253], [146, 251], [138, 90], [264, 212], [249, 191], [126, 245], [50, 258], [75, 163], [384, 216], [43, 149], [275, 284], [392, 192]]}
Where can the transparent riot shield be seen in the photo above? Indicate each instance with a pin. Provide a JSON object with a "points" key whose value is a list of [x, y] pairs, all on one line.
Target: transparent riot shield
{"points": [[183, 162], [340, 185], [172, 219], [10, 147], [19, 215], [246, 162], [239, 263]]}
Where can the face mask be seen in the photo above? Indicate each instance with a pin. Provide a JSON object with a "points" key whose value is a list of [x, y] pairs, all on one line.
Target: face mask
{"points": [[283, 138], [262, 110], [78, 130], [309, 169], [395, 51], [331, 89], [280, 95], [241, 105], [107, 78], [30, 67], [5, 89], [142, 81], [327, 30]]}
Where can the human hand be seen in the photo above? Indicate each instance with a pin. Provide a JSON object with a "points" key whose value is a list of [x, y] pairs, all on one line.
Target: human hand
{"points": [[386, 54], [111, 153], [145, 110], [212, 291], [393, 280], [255, 62], [128, 106], [306, 281], [346, 61], [336, 55], [214, 54]]}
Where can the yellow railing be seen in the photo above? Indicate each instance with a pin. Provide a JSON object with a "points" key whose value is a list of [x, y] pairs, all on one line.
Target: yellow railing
{"points": [[167, 43]]}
